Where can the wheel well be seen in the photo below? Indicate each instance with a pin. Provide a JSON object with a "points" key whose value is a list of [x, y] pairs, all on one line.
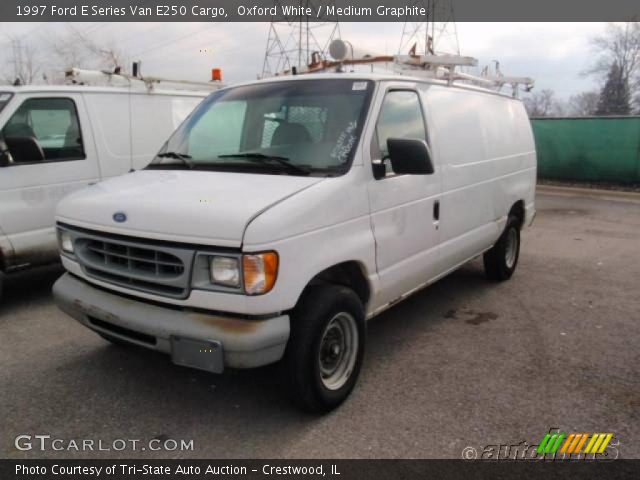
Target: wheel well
{"points": [[348, 274], [517, 210]]}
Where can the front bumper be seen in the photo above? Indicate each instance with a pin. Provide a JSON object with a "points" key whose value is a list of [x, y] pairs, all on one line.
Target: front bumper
{"points": [[244, 343]]}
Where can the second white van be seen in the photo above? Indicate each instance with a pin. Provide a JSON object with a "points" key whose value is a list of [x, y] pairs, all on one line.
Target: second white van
{"points": [[285, 213], [57, 139]]}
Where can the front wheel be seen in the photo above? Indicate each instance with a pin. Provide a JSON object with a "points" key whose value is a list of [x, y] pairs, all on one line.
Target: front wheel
{"points": [[500, 262], [326, 347]]}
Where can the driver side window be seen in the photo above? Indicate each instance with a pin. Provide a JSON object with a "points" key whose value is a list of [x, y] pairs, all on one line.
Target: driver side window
{"points": [[400, 117], [44, 129]]}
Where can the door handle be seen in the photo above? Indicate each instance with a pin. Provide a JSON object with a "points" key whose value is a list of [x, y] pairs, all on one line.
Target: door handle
{"points": [[436, 210]]}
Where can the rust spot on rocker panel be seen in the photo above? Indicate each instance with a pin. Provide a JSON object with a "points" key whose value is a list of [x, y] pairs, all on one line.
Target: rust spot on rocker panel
{"points": [[32, 257]]}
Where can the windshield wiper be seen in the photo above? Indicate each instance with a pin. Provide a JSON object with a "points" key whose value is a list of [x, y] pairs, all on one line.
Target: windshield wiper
{"points": [[262, 158], [186, 159]]}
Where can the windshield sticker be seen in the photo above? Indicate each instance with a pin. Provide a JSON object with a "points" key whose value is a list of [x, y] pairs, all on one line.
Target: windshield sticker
{"points": [[359, 86], [345, 143]]}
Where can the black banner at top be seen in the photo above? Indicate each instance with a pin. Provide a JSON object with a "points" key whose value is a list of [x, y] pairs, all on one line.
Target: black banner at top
{"points": [[316, 10]]}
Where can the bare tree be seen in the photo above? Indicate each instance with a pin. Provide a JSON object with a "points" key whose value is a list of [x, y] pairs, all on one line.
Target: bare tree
{"points": [[620, 44], [75, 48], [23, 65], [543, 104], [583, 104]]}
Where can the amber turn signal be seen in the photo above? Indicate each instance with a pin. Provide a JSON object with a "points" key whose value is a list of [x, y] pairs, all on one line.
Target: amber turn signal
{"points": [[260, 271]]}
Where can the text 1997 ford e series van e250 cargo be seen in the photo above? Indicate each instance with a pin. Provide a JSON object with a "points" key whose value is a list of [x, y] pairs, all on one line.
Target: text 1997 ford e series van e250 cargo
{"points": [[284, 213]]}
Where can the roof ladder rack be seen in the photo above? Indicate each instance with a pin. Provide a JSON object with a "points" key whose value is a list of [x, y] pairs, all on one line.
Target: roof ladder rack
{"points": [[443, 67], [77, 76]]}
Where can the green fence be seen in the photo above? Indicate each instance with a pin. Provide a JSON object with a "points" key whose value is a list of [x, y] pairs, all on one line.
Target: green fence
{"points": [[588, 149]]}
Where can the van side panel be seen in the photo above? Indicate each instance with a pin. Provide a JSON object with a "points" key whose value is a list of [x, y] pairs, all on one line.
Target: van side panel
{"points": [[109, 115], [485, 146], [155, 117]]}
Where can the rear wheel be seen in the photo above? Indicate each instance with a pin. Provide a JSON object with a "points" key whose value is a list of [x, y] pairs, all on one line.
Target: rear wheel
{"points": [[500, 262], [326, 347]]}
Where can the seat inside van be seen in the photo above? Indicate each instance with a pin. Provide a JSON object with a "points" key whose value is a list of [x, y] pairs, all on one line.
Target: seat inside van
{"points": [[288, 133]]}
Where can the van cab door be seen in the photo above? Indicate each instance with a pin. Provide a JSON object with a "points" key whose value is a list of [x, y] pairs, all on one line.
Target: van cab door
{"points": [[51, 154], [404, 208]]}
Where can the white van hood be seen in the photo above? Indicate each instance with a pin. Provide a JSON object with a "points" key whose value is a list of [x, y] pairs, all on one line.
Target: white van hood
{"points": [[210, 208]]}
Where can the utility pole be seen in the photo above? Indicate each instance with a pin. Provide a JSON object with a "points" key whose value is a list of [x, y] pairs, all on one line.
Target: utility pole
{"points": [[295, 37]]}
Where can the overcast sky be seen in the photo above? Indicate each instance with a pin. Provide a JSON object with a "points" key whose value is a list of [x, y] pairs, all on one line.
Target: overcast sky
{"points": [[554, 54]]}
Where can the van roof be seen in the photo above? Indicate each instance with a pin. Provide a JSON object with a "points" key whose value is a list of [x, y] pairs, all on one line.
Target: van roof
{"points": [[376, 77], [100, 89]]}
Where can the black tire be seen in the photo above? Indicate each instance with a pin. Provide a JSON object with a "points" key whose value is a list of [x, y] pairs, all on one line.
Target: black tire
{"points": [[501, 261], [320, 307]]}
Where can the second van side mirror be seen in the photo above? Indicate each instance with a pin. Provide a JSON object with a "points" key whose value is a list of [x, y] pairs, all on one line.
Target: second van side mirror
{"points": [[409, 156]]}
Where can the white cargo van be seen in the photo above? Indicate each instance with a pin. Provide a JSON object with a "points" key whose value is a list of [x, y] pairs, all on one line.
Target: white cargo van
{"points": [[56, 139], [285, 213]]}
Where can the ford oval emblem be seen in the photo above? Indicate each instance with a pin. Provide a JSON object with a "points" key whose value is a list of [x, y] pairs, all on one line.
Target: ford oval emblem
{"points": [[119, 217]]}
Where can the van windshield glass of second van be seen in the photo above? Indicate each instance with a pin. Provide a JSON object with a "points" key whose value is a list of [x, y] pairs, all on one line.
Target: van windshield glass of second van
{"points": [[291, 127]]}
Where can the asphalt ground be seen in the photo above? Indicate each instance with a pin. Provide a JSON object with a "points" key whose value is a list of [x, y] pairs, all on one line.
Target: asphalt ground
{"points": [[463, 363]]}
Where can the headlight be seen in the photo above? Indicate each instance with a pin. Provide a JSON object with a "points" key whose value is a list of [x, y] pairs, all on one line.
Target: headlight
{"points": [[260, 271], [65, 241], [225, 271]]}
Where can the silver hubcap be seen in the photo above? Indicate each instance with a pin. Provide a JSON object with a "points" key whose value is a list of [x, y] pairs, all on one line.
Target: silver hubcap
{"points": [[338, 351], [511, 250]]}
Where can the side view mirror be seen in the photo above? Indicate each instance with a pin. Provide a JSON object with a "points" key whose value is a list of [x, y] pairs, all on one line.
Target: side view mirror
{"points": [[5, 156], [25, 149], [409, 156]]}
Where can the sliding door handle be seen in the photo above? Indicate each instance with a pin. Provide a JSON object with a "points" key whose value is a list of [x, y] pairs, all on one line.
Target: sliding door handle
{"points": [[436, 210]]}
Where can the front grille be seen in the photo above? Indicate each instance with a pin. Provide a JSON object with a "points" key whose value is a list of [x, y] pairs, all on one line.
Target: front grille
{"points": [[134, 260], [135, 282], [133, 264]]}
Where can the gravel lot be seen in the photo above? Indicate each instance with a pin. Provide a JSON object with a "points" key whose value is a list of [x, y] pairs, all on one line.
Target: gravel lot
{"points": [[463, 363]]}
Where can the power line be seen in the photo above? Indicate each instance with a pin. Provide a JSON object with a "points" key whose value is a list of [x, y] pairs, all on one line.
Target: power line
{"points": [[173, 40], [225, 52]]}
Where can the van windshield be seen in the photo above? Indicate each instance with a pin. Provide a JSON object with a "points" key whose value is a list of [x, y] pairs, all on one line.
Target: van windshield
{"points": [[298, 127], [4, 99]]}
